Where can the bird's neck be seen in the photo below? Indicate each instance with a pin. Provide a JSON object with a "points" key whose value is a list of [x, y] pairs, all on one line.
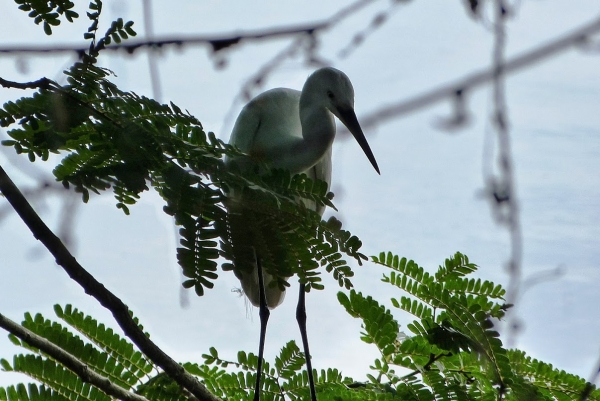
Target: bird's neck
{"points": [[318, 132]]}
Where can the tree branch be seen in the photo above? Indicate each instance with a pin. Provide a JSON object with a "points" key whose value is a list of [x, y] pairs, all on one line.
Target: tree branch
{"points": [[42, 83], [119, 310], [69, 361], [501, 187], [217, 42], [450, 90]]}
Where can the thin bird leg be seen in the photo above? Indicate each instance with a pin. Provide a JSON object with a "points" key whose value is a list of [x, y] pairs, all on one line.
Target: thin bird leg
{"points": [[264, 318], [301, 318]]}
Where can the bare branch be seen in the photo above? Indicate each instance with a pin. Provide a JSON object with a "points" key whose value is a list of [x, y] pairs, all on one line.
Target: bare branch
{"points": [[308, 44], [360, 36], [217, 42], [69, 361], [448, 91], [119, 310], [152, 63], [501, 188]]}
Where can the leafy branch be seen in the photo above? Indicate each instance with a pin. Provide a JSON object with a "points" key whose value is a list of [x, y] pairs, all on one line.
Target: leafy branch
{"points": [[48, 12], [123, 141], [67, 360], [454, 353], [441, 360], [96, 289]]}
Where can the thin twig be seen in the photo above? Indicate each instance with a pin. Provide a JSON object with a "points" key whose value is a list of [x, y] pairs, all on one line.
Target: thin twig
{"points": [[119, 310], [86, 374], [502, 189], [152, 64]]}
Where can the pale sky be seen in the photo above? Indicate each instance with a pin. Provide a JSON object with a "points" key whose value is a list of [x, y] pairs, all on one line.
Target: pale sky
{"points": [[425, 206]]}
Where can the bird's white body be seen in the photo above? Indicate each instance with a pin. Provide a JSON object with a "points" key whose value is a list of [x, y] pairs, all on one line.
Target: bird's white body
{"points": [[290, 130], [273, 118], [294, 130], [273, 108]]}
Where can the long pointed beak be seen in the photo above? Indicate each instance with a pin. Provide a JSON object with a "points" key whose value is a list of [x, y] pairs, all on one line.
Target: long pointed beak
{"points": [[348, 118]]}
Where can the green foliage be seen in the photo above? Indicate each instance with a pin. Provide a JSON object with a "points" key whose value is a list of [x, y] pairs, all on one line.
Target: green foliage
{"points": [[380, 327], [287, 234], [285, 380], [117, 32], [110, 343], [48, 12], [452, 354], [31, 392], [550, 383], [111, 139], [100, 348], [116, 359]]}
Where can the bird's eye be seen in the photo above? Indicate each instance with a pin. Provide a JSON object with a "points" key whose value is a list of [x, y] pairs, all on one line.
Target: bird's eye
{"points": [[330, 94]]}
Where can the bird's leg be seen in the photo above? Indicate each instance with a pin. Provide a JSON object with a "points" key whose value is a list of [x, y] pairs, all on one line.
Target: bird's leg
{"points": [[264, 318], [301, 318]]}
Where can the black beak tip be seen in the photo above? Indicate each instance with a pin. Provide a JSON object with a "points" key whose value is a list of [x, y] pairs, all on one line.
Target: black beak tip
{"points": [[372, 159], [349, 119], [376, 168]]}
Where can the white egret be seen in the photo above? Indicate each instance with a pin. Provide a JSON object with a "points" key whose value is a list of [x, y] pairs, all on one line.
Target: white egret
{"points": [[290, 130]]}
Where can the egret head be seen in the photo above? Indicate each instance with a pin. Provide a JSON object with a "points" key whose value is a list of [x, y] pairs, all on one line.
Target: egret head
{"points": [[332, 89]]}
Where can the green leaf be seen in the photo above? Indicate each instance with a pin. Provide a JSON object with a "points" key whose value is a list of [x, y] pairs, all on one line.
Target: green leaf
{"points": [[47, 28]]}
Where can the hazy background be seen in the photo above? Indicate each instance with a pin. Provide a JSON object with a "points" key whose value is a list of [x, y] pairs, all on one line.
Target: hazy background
{"points": [[426, 204]]}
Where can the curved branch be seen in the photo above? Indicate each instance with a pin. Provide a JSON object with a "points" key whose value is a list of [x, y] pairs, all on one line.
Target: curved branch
{"points": [[93, 287], [69, 361], [449, 90]]}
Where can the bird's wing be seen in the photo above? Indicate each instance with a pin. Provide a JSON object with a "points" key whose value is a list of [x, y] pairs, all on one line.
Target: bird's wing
{"points": [[266, 123], [245, 128]]}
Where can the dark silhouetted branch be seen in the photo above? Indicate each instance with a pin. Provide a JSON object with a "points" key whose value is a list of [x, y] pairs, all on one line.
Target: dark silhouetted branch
{"points": [[119, 310], [42, 83]]}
